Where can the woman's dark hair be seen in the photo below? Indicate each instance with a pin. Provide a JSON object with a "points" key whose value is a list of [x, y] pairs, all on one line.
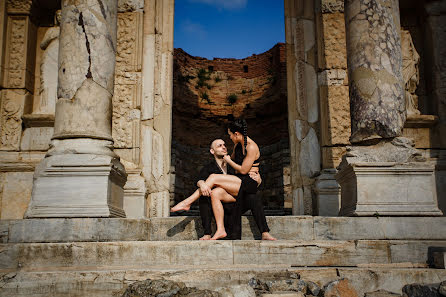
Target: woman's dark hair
{"points": [[239, 125]]}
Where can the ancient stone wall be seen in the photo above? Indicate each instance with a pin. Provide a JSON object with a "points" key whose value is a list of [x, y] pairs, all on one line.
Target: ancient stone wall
{"points": [[17, 63], [209, 92]]}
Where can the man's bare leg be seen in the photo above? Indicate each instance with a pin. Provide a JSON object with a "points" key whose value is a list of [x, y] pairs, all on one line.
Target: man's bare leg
{"points": [[218, 196], [186, 203], [267, 236]]}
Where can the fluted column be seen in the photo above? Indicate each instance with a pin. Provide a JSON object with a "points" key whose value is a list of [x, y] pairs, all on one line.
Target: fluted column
{"points": [[81, 175], [375, 69]]}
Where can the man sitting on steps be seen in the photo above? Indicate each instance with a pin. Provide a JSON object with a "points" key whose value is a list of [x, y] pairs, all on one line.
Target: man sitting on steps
{"points": [[233, 211]]}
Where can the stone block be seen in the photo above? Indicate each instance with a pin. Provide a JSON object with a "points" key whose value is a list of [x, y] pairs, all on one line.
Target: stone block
{"points": [[340, 288], [309, 159], [36, 139], [20, 53], [15, 194], [283, 227], [3, 19], [135, 195], [419, 129], [129, 42], [396, 228], [388, 189], [331, 156], [331, 6], [76, 229], [130, 5], [439, 259], [421, 136], [390, 280], [14, 104], [416, 252], [314, 253], [328, 193], [135, 254], [335, 114], [78, 185], [333, 53], [158, 204]]}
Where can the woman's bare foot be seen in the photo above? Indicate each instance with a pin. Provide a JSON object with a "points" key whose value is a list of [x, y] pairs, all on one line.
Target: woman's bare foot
{"points": [[267, 236], [180, 206], [219, 234], [205, 237]]}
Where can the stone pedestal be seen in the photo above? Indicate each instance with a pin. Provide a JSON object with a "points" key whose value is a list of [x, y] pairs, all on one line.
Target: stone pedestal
{"points": [[81, 176], [328, 193], [389, 178], [78, 185]]}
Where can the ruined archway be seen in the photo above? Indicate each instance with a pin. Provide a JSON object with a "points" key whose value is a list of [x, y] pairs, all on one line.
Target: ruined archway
{"points": [[208, 93]]}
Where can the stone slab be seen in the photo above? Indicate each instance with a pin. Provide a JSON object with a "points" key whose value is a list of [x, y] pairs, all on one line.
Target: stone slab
{"points": [[67, 230], [189, 228], [108, 283], [137, 254], [311, 253], [354, 228], [176, 254]]}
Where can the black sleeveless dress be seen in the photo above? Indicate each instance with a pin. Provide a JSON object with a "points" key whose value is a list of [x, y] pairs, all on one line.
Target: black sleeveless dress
{"points": [[248, 184]]}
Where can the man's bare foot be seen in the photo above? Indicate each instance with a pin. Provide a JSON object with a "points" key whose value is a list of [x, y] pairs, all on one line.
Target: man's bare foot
{"points": [[267, 236], [219, 234], [205, 237], [180, 206]]}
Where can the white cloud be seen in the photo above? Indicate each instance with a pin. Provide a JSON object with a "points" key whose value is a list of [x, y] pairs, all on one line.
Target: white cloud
{"points": [[194, 29], [224, 4]]}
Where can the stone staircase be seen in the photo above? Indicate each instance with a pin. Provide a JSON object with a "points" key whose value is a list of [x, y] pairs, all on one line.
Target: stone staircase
{"points": [[100, 257]]}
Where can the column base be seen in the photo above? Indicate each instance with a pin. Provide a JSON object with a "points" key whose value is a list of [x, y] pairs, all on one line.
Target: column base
{"points": [[401, 185], [158, 205], [328, 193], [78, 185]]}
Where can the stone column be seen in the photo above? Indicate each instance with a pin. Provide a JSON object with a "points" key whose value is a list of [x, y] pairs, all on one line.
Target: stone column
{"points": [[81, 176], [384, 174], [375, 74]]}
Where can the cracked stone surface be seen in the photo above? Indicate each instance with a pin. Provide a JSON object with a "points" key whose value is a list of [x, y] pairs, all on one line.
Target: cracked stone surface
{"points": [[399, 150], [375, 69], [86, 69], [87, 45]]}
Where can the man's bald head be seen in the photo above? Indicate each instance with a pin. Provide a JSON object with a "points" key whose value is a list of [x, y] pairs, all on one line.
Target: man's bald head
{"points": [[218, 148], [214, 142]]}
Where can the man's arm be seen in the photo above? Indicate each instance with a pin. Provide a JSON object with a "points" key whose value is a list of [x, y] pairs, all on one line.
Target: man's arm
{"points": [[204, 173]]}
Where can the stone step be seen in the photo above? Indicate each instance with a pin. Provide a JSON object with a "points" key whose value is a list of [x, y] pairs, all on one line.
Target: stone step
{"points": [[176, 254], [189, 228], [100, 283]]}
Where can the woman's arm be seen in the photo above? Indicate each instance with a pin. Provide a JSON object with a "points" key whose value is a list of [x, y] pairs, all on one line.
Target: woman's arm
{"points": [[249, 159]]}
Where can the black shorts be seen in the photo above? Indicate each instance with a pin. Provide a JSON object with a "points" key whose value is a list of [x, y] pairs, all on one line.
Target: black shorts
{"points": [[248, 186]]}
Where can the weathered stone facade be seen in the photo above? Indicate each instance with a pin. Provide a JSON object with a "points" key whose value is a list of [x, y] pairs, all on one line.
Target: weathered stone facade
{"points": [[302, 140], [396, 247]]}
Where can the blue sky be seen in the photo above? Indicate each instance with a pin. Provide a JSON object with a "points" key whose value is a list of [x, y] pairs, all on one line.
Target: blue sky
{"points": [[228, 28]]}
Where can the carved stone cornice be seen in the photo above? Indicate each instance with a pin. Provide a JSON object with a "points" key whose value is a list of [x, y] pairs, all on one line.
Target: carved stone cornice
{"points": [[19, 6]]}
